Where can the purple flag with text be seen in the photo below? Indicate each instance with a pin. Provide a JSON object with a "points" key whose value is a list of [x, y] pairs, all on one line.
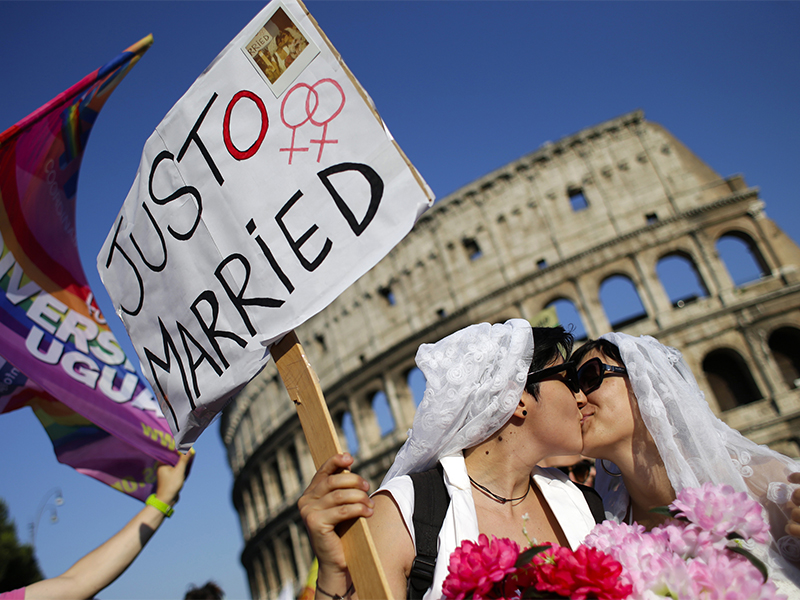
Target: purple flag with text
{"points": [[57, 353]]}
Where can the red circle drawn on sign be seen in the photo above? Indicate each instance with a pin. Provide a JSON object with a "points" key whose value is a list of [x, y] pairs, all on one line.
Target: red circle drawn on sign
{"points": [[226, 126]]}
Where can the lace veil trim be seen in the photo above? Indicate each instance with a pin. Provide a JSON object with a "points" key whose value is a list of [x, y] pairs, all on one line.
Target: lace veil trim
{"points": [[474, 380]]}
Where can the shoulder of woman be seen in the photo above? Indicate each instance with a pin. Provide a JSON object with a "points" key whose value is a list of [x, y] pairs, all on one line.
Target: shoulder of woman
{"points": [[391, 536]]}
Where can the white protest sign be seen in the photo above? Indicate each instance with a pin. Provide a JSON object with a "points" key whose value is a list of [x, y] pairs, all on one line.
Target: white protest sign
{"points": [[268, 189]]}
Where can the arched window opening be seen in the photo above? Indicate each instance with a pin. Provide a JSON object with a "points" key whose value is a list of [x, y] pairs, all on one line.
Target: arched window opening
{"points": [[742, 258], [569, 317], [730, 379], [349, 429], [270, 567], [238, 503], [387, 294], [346, 430], [785, 346], [473, 248], [259, 495], [276, 472], [681, 280], [577, 199], [621, 301], [257, 578], [416, 383], [383, 414], [259, 478], [295, 458], [288, 546]]}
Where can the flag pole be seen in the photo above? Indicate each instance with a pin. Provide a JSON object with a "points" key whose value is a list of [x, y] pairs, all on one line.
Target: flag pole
{"points": [[304, 390]]}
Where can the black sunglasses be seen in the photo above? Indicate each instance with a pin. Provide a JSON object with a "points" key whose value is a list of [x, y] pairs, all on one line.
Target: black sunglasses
{"points": [[570, 376], [580, 470], [592, 372]]}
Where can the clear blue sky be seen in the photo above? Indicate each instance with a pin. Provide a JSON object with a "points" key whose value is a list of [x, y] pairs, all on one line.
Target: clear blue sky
{"points": [[464, 87]]}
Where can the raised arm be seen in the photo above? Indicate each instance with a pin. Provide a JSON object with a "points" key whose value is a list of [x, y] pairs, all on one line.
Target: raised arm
{"points": [[103, 565]]}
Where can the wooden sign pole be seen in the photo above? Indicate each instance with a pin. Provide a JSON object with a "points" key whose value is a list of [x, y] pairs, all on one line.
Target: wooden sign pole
{"points": [[306, 393]]}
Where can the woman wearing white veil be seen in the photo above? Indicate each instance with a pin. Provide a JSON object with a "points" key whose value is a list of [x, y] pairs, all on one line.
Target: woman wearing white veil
{"points": [[492, 409], [646, 414]]}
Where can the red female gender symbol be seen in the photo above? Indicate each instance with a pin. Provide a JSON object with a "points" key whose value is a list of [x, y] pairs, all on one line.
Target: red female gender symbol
{"points": [[324, 123], [310, 112]]}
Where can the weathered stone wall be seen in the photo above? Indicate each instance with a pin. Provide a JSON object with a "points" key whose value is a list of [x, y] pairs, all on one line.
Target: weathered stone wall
{"points": [[610, 200]]}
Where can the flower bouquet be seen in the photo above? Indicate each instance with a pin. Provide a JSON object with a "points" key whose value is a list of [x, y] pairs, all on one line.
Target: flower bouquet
{"points": [[700, 553], [496, 569]]}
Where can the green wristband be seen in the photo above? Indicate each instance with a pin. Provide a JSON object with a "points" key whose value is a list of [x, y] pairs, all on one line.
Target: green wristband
{"points": [[159, 505]]}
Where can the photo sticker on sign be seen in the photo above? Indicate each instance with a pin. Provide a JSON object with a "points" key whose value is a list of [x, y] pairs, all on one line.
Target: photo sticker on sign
{"points": [[280, 50]]}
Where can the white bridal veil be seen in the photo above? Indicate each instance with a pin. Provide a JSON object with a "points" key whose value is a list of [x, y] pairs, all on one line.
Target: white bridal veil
{"points": [[697, 447], [475, 378]]}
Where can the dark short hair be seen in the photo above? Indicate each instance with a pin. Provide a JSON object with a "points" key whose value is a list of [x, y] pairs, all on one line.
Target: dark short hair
{"points": [[549, 343], [210, 591], [602, 346]]}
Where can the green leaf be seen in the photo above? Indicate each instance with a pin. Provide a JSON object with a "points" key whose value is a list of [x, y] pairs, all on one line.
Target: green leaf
{"points": [[664, 510], [525, 557], [749, 556]]}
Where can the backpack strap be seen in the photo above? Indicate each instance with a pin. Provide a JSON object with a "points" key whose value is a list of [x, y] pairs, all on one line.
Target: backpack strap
{"points": [[595, 502], [431, 500]]}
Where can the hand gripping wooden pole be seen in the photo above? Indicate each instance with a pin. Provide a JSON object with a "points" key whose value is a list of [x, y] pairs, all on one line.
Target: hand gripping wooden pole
{"points": [[306, 393]]}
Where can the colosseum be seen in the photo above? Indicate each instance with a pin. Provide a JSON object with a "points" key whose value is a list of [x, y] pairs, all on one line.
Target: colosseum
{"points": [[619, 227]]}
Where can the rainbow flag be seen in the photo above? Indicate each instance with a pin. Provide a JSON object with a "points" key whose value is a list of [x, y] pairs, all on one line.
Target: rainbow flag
{"points": [[57, 353], [310, 588]]}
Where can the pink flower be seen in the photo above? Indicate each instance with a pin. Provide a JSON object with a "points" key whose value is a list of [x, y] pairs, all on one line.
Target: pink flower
{"points": [[650, 566], [687, 539], [727, 576], [664, 575], [478, 567], [720, 510], [608, 535]]}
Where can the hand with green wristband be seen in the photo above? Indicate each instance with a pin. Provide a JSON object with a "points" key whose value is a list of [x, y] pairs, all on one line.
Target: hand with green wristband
{"points": [[169, 483], [103, 565]]}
